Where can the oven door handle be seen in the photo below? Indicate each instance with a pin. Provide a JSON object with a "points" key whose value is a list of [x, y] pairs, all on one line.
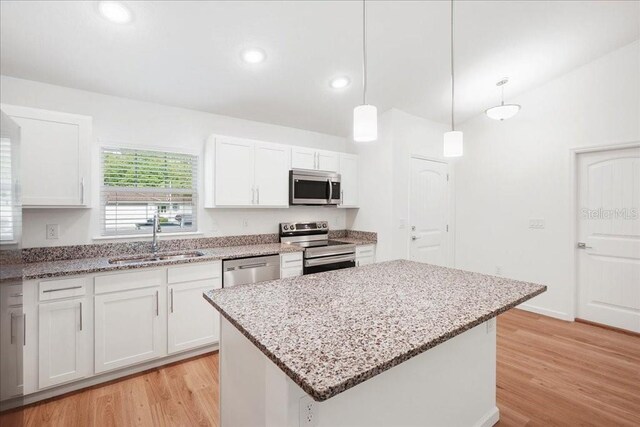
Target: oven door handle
{"points": [[330, 190], [329, 260]]}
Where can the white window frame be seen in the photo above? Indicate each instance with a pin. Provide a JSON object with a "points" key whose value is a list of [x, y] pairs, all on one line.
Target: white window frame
{"points": [[194, 191]]}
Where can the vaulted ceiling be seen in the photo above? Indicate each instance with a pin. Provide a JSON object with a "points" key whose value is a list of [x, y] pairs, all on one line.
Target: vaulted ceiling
{"points": [[187, 53]]}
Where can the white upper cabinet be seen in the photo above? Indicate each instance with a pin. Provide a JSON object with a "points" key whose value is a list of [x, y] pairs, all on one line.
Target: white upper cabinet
{"points": [[246, 173], [234, 172], [271, 167], [349, 180], [303, 158], [309, 158], [55, 157], [328, 161]]}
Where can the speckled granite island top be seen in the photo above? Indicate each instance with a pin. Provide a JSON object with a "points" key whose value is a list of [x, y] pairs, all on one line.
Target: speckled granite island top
{"points": [[331, 331]]}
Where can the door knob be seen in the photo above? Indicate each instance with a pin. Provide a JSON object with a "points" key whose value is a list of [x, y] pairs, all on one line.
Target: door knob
{"points": [[582, 245], [414, 237]]}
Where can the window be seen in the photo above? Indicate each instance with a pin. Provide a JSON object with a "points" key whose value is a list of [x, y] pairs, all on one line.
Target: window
{"points": [[137, 184], [7, 214]]}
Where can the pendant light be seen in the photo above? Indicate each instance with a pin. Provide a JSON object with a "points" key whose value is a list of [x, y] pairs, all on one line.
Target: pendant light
{"points": [[452, 139], [502, 111], [365, 117]]}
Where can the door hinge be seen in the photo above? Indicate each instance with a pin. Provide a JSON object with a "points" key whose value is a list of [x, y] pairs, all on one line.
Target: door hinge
{"points": [[447, 177], [447, 228]]}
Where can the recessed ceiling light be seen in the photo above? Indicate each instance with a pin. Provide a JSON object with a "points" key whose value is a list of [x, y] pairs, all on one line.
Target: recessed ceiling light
{"points": [[253, 55], [340, 82], [115, 11]]}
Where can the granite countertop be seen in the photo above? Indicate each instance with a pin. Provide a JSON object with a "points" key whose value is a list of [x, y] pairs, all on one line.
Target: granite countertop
{"points": [[38, 270], [331, 331]]}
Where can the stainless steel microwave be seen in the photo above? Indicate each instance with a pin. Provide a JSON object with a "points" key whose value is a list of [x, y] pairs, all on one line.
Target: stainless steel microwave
{"points": [[307, 187]]}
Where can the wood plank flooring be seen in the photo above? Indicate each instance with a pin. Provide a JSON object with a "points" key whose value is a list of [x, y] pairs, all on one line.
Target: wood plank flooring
{"points": [[550, 373]]}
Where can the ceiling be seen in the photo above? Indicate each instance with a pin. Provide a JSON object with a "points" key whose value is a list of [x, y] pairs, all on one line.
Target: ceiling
{"points": [[187, 53]]}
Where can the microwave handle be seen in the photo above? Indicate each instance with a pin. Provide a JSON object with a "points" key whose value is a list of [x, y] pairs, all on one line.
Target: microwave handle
{"points": [[330, 189]]}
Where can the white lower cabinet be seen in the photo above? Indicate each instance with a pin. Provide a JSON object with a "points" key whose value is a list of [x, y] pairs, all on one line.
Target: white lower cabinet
{"points": [[291, 265], [365, 254], [63, 341], [130, 327], [12, 340], [192, 320]]}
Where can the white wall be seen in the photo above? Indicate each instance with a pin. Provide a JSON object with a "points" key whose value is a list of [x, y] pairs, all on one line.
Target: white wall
{"points": [[384, 178], [520, 169], [153, 125]]}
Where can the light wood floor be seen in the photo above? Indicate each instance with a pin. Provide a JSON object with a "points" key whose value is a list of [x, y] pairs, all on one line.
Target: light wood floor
{"points": [[550, 373]]}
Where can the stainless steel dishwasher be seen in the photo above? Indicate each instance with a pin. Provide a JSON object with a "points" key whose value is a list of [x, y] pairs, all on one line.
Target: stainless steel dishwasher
{"points": [[250, 270]]}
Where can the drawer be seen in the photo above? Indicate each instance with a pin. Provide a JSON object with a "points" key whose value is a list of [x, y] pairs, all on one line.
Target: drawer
{"points": [[291, 260], [64, 288], [194, 272], [126, 281], [12, 294], [365, 251]]}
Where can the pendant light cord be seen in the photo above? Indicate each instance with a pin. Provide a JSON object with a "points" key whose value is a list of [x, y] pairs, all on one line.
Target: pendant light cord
{"points": [[364, 52], [452, 75]]}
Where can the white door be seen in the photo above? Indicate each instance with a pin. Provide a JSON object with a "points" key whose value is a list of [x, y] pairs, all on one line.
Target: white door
{"points": [[234, 172], [429, 212], [55, 158], [303, 158], [609, 227], [62, 342], [349, 179], [192, 322], [328, 161], [129, 328], [272, 174]]}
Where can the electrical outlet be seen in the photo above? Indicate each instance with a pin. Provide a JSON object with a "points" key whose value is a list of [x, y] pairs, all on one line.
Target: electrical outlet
{"points": [[245, 223], [53, 231], [308, 416], [498, 270]]}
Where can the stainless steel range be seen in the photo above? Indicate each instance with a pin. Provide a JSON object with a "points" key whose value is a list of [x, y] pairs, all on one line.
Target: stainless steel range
{"points": [[320, 253]]}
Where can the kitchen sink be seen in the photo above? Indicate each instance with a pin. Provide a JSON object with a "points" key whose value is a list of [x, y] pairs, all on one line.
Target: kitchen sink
{"points": [[174, 256]]}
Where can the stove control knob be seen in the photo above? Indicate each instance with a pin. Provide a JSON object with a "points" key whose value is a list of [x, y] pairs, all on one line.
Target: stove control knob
{"points": [[286, 227], [324, 225], [293, 227]]}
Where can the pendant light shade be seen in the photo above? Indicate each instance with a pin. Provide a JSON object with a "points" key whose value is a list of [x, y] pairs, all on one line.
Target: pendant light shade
{"points": [[453, 144], [453, 139], [365, 123], [365, 116], [502, 111]]}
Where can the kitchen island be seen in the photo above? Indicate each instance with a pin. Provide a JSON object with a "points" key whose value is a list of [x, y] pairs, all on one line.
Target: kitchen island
{"points": [[397, 343]]}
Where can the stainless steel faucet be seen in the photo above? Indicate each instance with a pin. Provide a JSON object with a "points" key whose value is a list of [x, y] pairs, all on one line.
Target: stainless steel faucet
{"points": [[156, 229]]}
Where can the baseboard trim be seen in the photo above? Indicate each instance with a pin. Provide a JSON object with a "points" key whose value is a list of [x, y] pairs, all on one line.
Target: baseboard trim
{"points": [[106, 377], [547, 312], [490, 418], [611, 328]]}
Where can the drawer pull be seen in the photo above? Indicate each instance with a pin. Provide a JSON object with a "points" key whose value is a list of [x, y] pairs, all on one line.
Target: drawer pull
{"points": [[288, 261], [16, 295], [61, 289]]}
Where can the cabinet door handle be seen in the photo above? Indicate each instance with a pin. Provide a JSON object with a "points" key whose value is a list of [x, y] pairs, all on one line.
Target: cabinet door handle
{"points": [[258, 195], [157, 303], [24, 329], [253, 195], [81, 315], [13, 336], [341, 196], [172, 300], [46, 291], [82, 191]]}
